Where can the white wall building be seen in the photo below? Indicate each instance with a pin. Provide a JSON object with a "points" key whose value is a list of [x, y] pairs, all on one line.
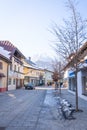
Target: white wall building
{"points": [[48, 76]]}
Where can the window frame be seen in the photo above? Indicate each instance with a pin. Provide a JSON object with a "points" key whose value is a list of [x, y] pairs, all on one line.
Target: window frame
{"points": [[1, 65]]}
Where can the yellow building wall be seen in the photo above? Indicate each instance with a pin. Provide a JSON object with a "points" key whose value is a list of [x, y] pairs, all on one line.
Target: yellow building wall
{"points": [[25, 70], [3, 80], [33, 75], [32, 72]]}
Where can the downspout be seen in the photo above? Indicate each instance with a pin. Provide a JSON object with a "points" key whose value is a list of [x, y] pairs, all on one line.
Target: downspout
{"points": [[7, 77]]}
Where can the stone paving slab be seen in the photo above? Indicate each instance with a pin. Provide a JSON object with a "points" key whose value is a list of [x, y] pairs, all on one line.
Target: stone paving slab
{"points": [[49, 120], [19, 109], [38, 113]]}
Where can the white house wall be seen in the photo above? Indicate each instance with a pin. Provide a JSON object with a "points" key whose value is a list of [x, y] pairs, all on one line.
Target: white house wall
{"points": [[66, 74], [12, 86], [80, 86], [79, 83], [14, 75], [48, 77]]}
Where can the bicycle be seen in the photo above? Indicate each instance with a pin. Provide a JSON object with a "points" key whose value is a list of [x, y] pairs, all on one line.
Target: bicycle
{"points": [[65, 109]]}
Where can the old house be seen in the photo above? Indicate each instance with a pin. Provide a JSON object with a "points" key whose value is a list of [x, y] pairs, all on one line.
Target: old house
{"points": [[15, 69], [32, 73], [48, 77]]}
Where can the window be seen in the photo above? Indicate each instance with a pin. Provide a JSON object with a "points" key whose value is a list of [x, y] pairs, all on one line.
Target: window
{"points": [[15, 67], [37, 73], [84, 80], [9, 81], [14, 81], [1, 65], [31, 71], [10, 66], [18, 69], [0, 82]]}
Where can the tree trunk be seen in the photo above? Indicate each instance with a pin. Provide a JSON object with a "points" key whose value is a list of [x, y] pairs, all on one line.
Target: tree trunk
{"points": [[76, 94], [60, 88]]}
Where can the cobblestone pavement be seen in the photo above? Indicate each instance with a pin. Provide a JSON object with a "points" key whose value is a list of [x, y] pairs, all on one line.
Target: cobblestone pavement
{"points": [[39, 112]]}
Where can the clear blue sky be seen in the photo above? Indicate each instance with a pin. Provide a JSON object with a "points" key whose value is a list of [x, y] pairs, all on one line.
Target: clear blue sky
{"points": [[26, 22]]}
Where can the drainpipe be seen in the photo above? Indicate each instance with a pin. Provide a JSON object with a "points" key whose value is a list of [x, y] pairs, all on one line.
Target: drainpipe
{"points": [[7, 77]]}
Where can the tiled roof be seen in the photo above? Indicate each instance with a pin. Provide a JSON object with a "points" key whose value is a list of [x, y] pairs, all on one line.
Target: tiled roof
{"points": [[30, 62], [32, 65], [8, 46]]}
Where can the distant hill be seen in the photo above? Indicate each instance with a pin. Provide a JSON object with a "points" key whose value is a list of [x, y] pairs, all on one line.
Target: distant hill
{"points": [[44, 64]]}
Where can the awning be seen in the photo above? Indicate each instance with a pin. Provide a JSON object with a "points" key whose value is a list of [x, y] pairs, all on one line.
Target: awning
{"points": [[2, 75], [71, 74]]}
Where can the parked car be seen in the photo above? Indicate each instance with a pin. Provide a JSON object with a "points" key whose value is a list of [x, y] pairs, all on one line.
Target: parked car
{"points": [[29, 86]]}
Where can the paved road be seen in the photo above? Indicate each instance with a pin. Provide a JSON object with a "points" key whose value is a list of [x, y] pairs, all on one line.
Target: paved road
{"points": [[37, 110], [20, 109]]}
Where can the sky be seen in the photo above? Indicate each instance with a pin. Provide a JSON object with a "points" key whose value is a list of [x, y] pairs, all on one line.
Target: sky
{"points": [[25, 23]]}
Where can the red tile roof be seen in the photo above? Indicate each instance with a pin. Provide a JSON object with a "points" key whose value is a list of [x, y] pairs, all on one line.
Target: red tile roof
{"points": [[7, 45], [10, 47]]}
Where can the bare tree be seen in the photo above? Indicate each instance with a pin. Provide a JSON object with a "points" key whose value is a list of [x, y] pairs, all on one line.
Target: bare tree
{"points": [[57, 76], [69, 39]]}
